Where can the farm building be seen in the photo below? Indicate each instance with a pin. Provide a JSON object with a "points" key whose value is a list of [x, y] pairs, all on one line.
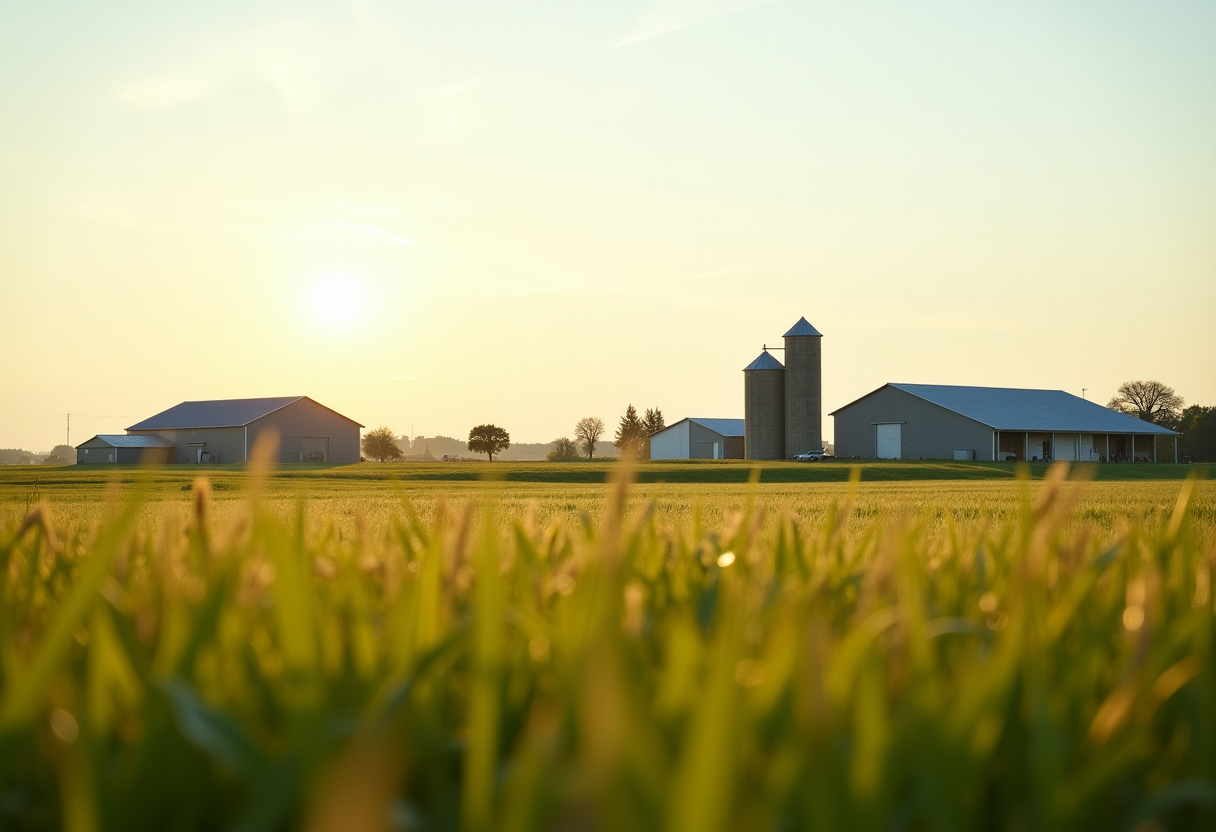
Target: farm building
{"points": [[938, 421], [124, 449], [226, 431], [699, 439]]}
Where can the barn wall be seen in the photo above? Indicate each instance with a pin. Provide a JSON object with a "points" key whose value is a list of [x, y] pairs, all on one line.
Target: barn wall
{"points": [[929, 431], [736, 447], [145, 456], [701, 441], [226, 445], [305, 427], [98, 453], [671, 443]]}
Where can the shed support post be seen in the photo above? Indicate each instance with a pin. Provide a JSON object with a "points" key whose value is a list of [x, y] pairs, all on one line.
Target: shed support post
{"points": [[996, 443], [1108, 447], [1154, 450], [1133, 453], [1026, 447], [1054, 452]]}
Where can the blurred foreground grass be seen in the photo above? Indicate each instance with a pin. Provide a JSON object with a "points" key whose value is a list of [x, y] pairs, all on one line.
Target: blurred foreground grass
{"points": [[1043, 661]]}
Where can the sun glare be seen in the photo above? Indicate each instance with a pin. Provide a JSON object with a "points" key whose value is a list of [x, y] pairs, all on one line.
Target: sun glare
{"points": [[337, 302]]}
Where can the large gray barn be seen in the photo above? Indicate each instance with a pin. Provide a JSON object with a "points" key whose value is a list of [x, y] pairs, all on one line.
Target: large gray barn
{"points": [[937, 421], [227, 430]]}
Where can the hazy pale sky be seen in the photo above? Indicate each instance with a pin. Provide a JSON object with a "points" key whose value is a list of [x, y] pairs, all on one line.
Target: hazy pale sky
{"points": [[443, 214]]}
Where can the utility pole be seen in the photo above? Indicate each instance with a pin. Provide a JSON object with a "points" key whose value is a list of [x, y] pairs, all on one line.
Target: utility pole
{"points": [[69, 443], [1083, 389]]}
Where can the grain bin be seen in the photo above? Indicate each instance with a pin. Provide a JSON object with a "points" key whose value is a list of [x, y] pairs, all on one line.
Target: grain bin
{"points": [[803, 389], [764, 408]]}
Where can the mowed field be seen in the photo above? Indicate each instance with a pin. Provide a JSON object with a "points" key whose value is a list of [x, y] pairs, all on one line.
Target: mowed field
{"points": [[520, 646]]}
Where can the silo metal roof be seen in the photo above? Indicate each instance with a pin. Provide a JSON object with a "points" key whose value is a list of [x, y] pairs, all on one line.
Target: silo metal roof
{"points": [[765, 361], [122, 440], [221, 413], [803, 327], [1005, 408]]}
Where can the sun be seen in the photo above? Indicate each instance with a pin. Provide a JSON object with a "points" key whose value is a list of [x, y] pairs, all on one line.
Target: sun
{"points": [[338, 302]]}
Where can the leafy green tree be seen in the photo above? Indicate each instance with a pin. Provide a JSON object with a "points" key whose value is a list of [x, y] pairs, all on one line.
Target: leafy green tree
{"points": [[380, 444], [631, 433], [564, 450], [1150, 401], [587, 432], [652, 424], [61, 455], [1198, 428], [489, 440]]}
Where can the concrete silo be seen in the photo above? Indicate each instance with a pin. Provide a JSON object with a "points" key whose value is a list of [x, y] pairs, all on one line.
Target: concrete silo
{"points": [[803, 389], [764, 408]]}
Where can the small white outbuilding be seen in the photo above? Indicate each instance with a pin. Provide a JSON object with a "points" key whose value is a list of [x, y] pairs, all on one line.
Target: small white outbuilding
{"points": [[699, 439]]}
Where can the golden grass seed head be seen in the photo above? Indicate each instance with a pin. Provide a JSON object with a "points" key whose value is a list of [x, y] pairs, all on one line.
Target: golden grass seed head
{"points": [[539, 649], [64, 726], [1133, 617]]}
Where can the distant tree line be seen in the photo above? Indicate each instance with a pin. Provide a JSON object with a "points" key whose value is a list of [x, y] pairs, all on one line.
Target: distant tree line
{"points": [[15, 456], [59, 455]]}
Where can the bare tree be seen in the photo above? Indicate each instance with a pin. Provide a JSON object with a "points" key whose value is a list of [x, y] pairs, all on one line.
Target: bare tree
{"points": [[1151, 401], [588, 431]]}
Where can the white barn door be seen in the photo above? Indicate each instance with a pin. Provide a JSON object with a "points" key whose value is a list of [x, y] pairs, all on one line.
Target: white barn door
{"points": [[890, 441]]}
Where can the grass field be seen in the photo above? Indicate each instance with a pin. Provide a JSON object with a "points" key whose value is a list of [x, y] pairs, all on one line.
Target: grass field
{"points": [[932, 647], [372, 495]]}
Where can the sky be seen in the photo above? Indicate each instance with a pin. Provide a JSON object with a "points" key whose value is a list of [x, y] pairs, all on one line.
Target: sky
{"points": [[436, 215]]}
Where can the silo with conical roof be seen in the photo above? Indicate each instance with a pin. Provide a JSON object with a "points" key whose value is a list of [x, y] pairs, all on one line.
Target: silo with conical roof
{"points": [[764, 408], [803, 389]]}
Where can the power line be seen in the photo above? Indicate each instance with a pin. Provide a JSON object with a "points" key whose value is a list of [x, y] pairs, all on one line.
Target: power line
{"points": [[60, 413]]}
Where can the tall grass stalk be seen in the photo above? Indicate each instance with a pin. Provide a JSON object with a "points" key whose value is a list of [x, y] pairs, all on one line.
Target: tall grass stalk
{"points": [[471, 672]]}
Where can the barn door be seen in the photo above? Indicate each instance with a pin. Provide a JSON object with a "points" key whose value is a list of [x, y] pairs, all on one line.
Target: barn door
{"points": [[314, 449], [890, 441]]}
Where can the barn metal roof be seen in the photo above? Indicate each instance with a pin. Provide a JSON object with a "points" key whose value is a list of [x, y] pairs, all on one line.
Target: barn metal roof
{"points": [[1005, 408], [726, 427], [122, 440], [220, 413], [803, 327], [765, 361]]}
